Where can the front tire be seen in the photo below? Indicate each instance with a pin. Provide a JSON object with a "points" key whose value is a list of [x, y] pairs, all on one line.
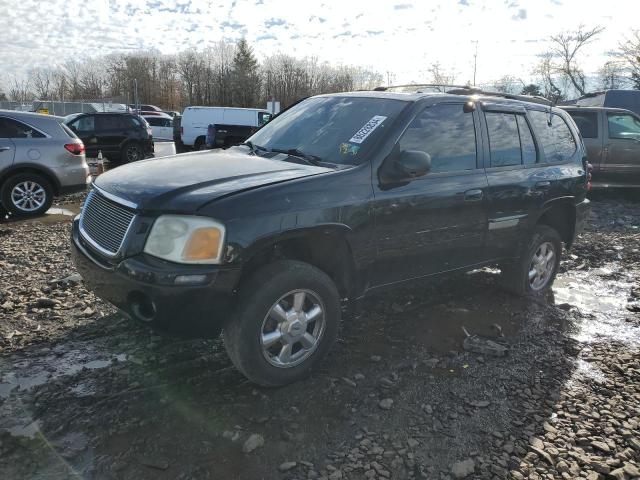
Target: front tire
{"points": [[27, 194], [286, 321], [535, 271]]}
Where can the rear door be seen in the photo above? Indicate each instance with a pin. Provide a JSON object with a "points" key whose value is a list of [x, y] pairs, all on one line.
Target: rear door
{"points": [[436, 222], [23, 142], [590, 125], [111, 132], [7, 147], [623, 148]]}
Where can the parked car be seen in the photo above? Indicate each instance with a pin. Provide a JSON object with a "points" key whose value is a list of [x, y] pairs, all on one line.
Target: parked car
{"points": [[627, 99], [122, 137], [145, 108], [612, 139], [233, 125], [39, 159], [338, 197], [161, 126]]}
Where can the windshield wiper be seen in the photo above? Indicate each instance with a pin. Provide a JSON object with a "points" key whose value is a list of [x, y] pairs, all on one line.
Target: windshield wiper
{"points": [[254, 148], [294, 152]]}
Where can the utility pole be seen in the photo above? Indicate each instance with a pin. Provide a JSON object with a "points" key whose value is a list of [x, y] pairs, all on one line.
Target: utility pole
{"points": [[475, 63]]}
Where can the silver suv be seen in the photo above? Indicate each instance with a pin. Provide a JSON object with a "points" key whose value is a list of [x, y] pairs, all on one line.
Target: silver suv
{"points": [[40, 158]]}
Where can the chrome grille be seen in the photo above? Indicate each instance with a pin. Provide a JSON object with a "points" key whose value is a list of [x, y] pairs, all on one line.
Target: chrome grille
{"points": [[104, 223]]}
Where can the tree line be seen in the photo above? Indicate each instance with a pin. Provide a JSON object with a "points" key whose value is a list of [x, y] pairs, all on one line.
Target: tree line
{"points": [[225, 74], [229, 74]]}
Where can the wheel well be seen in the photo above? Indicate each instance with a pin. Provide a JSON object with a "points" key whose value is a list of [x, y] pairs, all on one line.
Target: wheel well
{"points": [[52, 179], [326, 251], [562, 218], [199, 140]]}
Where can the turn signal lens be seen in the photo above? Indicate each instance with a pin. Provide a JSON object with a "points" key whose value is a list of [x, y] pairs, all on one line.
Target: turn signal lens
{"points": [[203, 244]]}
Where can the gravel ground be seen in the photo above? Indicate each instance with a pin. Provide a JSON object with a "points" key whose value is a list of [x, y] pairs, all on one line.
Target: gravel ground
{"points": [[85, 393]]}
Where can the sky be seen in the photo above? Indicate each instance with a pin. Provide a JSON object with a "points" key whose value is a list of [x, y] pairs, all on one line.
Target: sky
{"points": [[400, 36]]}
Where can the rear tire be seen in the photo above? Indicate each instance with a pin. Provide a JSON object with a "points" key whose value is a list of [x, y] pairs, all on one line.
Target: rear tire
{"points": [[286, 321], [534, 272], [200, 144], [26, 194], [131, 152]]}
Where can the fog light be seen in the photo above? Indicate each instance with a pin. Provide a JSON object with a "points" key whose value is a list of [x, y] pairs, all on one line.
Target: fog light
{"points": [[190, 279]]}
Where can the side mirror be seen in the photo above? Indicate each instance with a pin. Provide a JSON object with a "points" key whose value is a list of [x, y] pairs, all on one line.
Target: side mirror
{"points": [[412, 164]]}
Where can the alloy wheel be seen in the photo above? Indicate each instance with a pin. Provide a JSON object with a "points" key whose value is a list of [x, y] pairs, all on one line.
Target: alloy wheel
{"points": [[28, 196], [292, 329], [542, 266]]}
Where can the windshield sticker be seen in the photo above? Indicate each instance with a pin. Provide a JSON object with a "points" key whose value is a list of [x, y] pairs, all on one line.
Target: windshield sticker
{"points": [[348, 149], [367, 129]]}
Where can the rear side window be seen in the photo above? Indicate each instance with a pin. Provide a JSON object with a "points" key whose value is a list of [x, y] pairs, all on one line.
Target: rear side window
{"points": [[10, 128], [587, 123], [529, 152], [68, 131], [504, 140], [447, 134], [554, 136], [108, 122], [154, 121], [263, 118], [623, 126], [131, 121]]}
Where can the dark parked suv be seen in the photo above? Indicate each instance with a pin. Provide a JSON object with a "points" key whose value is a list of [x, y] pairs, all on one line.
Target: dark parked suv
{"points": [[122, 137], [339, 196]]}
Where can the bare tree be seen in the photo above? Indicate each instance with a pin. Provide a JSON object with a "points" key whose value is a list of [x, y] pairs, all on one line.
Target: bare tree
{"points": [[41, 79], [612, 75], [548, 73], [566, 47], [508, 84], [440, 76], [630, 51], [20, 90]]}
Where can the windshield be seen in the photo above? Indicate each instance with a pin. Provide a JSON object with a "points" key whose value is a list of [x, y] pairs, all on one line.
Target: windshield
{"points": [[335, 130]]}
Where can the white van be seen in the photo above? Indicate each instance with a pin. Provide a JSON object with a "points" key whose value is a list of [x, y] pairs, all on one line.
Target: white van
{"points": [[161, 125], [233, 125]]}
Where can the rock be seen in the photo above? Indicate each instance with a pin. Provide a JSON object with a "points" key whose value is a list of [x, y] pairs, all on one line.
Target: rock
{"points": [[349, 382], [254, 441], [484, 346], [385, 403], [286, 466], [544, 455], [631, 470], [600, 446], [46, 302], [463, 468], [479, 403], [358, 377], [634, 443], [335, 475], [619, 474], [593, 476], [376, 358], [413, 443]]}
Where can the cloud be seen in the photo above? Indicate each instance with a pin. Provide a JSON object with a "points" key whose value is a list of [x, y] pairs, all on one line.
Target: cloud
{"points": [[402, 6], [275, 22], [267, 36], [464, 2], [521, 15]]}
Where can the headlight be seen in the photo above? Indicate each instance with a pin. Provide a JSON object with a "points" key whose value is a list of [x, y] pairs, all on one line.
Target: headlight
{"points": [[186, 239]]}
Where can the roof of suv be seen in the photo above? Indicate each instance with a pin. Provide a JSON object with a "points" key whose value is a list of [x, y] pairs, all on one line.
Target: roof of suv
{"points": [[414, 96], [594, 109]]}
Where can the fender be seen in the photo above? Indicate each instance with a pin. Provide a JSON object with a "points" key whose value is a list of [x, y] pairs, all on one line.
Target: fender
{"points": [[32, 167], [568, 200]]}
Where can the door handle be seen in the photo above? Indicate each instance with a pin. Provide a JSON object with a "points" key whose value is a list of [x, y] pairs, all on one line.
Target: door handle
{"points": [[4, 149], [473, 195], [545, 185]]}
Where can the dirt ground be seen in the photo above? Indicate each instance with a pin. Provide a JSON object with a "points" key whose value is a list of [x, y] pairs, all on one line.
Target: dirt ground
{"points": [[86, 393]]}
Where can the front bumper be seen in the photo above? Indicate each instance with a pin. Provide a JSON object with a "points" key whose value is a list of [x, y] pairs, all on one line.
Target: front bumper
{"points": [[144, 288]]}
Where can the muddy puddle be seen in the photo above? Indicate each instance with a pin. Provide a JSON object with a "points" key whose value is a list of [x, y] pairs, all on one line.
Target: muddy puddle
{"points": [[601, 296]]}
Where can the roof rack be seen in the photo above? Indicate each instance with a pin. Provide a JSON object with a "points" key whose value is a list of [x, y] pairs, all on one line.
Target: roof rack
{"points": [[471, 90]]}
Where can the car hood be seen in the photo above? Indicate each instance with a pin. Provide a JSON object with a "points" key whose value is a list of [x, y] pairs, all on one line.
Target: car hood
{"points": [[187, 182]]}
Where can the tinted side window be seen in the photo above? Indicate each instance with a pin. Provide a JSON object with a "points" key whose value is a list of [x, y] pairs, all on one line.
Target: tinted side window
{"points": [[155, 122], [623, 126], [529, 153], [556, 138], [587, 123], [446, 133], [84, 124], [108, 122], [130, 121], [10, 128], [504, 141]]}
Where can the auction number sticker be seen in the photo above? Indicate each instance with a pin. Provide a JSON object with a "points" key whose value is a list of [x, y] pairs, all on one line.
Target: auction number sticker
{"points": [[368, 128]]}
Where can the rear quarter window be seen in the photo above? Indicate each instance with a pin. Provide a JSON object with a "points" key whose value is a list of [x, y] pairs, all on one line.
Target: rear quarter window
{"points": [[587, 123], [554, 136], [68, 131]]}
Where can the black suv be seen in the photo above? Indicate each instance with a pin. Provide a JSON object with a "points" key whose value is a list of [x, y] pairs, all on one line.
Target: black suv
{"points": [[122, 137], [339, 196]]}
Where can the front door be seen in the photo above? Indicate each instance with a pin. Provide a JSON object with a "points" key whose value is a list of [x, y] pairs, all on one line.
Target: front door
{"points": [[436, 222], [623, 149]]}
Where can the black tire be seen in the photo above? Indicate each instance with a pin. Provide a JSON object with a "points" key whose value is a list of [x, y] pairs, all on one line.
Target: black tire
{"points": [[131, 152], [200, 144], [516, 277], [42, 195], [257, 298]]}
